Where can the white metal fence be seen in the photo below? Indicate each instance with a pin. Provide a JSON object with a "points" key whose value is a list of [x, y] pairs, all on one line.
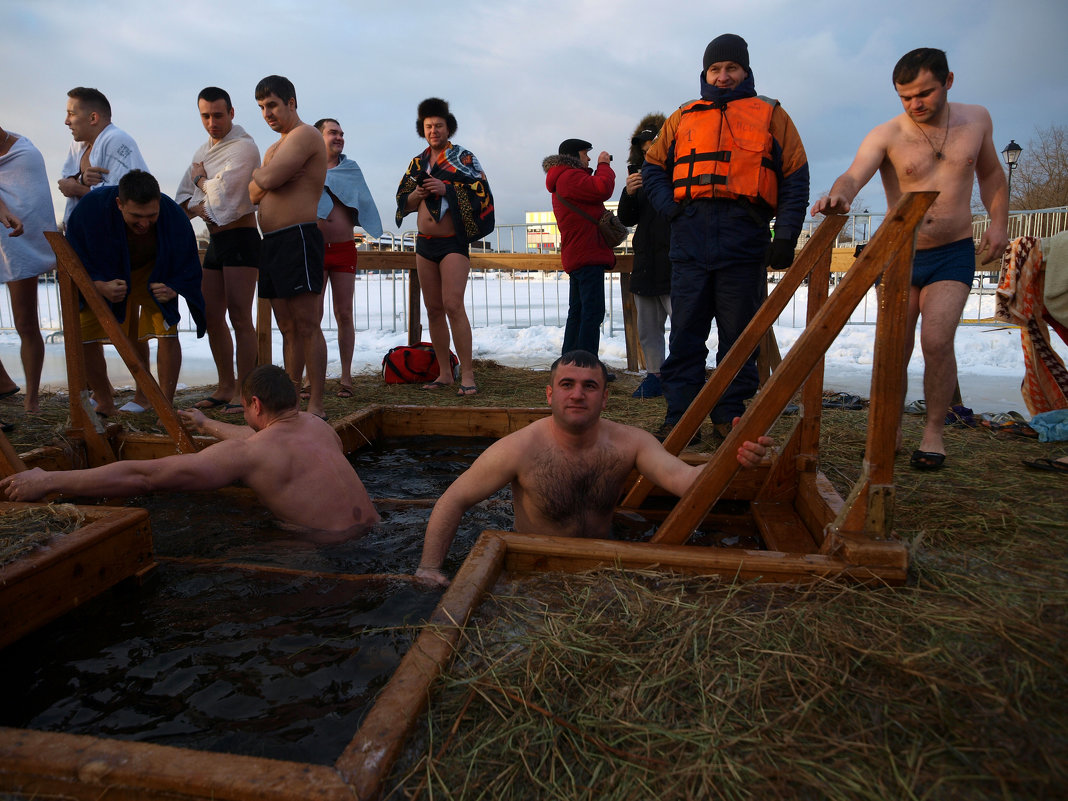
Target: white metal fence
{"points": [[520, 299]]}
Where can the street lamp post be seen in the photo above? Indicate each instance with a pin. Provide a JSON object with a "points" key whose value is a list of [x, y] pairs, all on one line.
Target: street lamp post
{"points": [[1011, 153]]}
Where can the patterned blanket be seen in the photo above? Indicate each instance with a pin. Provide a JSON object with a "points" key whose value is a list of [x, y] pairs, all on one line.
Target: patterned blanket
{"points": [[466, 189], [1019, 301]]}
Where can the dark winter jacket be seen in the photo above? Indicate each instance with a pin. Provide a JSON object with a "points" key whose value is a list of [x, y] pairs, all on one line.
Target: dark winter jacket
{"points": [[651, 274], [580, 241], [721, 232]]}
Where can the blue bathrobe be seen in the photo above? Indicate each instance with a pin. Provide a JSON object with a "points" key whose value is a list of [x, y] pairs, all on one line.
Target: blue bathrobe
{"points": [[97, 233]]}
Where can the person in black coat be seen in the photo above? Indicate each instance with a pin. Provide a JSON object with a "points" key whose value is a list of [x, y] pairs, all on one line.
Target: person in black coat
{"points": [[650, 280]]}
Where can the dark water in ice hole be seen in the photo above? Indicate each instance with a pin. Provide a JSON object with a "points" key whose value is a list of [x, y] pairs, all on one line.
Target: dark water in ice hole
{"points": [[215, 658]]}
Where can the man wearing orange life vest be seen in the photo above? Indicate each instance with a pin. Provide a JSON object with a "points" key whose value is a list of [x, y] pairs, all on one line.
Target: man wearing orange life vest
{"points": [[722, 167]]}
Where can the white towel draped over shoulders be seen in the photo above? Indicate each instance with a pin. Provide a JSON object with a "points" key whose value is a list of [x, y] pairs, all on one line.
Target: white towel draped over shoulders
{"points": [[229, 164]]}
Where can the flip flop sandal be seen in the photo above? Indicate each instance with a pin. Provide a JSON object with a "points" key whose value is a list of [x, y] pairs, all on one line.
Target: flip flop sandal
{"points": [[10, 392], [210, 403], [927, 460], [435, 385], [345, 392], [466, 390]]}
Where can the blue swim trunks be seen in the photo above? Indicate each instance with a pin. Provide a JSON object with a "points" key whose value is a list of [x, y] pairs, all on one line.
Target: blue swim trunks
{"points": [[952, 262]]}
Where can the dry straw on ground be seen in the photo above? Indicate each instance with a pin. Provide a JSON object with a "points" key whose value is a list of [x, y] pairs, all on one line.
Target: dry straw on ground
{"points": [[624, 685]]}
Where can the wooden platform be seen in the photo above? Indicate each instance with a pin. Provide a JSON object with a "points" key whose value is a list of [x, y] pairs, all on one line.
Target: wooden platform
{"points": [[114, 544], [810, 531]]}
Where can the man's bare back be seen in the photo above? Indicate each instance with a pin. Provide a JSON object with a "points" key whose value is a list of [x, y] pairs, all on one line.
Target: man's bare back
{"points": [[292, 460]]}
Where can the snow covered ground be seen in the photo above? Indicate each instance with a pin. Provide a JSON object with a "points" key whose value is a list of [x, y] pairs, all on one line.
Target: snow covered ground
{"points": [[519, 323]]}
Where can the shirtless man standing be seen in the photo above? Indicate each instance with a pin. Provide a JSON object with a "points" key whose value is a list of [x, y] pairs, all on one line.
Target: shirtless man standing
{"points": [[287, 189], [293, 462], [215, 189], [345, 203], [940, 146], [566, 470]]}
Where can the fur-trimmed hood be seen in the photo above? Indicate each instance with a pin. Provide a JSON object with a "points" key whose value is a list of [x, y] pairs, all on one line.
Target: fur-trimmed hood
{"points": [[650, 122], [561, 161]]}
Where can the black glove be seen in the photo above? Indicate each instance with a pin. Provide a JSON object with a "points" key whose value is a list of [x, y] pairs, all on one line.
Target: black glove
{"points": [[781, 252]]}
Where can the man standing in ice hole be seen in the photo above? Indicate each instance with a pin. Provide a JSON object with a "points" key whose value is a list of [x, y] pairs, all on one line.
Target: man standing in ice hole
{"points": [[938, 146], [292, 461], [567, 470]]}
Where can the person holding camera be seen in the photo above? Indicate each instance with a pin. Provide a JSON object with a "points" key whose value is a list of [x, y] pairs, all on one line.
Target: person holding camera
{"points": [[742, 165], [446, 185], [650, 278], [579, 194]]}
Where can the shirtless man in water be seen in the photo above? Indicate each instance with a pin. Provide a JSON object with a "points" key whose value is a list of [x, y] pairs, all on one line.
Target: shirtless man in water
{"points": [[287, 189], [291, 460], [941, 146], [566, 470]]}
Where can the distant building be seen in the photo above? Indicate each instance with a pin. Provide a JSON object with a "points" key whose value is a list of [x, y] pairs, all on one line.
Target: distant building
{"points": [[544, 237]]}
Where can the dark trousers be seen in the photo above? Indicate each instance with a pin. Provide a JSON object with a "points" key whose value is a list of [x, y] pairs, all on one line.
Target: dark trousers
{"points": [[731, 294], [585, 311]]}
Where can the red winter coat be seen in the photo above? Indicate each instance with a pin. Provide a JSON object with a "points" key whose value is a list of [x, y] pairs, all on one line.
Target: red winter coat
{"points": [[580, 242]]}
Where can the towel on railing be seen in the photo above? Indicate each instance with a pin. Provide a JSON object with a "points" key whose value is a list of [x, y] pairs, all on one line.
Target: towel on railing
{"points": [[1019, 301], [229, 164], [1055, 295]]}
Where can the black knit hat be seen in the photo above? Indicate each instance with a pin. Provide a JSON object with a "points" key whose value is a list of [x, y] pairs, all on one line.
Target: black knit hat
{"points": [[728, 47], [572, 147], [435, 107]]}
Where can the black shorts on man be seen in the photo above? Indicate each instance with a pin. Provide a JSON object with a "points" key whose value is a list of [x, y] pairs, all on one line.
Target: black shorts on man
{"points": [[291, 261], [235, 247]]}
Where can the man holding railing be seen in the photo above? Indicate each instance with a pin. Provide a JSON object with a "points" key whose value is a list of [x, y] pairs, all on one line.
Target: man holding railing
{"points": [[934, 145]]}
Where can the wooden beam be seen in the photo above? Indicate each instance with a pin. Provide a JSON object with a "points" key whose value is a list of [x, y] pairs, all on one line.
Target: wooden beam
{"points": [[737, 356], [11, 462], [69, 263], [895, 234]]}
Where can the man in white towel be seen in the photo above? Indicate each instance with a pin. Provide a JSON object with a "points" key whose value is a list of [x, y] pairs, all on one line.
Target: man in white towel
{"points": [[100, 154], [26, 209], [346, 202], [215, 189]]}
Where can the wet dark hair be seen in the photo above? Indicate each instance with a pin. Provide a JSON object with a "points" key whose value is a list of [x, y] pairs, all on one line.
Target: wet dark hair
{"points": [[213, 93], [579, 358], [922, 58], [278, 86], [273, 386], [321, 123], [93, 99], [138, 186]]}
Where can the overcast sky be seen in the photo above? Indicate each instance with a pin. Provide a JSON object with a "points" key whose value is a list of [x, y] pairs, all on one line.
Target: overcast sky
{"points": [[519, 76]]}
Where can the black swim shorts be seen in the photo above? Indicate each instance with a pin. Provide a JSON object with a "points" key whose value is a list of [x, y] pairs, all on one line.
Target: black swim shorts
{"points": [[436, 248], [291, 261], [952, 262], [236, 247]]}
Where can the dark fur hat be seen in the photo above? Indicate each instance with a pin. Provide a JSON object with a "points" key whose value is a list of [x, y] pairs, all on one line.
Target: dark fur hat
{"points": [[435, 107], [650, 122]]}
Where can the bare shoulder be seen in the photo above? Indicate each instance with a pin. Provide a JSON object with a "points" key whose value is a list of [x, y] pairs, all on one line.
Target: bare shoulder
{"points": [[971, 114], [627, 436]]}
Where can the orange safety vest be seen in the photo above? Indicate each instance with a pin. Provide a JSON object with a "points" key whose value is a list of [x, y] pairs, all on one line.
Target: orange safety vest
{"points": [[725, 152]]}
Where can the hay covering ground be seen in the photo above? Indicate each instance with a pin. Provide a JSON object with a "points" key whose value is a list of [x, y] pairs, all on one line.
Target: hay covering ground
{"points": [[624, 685]]}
